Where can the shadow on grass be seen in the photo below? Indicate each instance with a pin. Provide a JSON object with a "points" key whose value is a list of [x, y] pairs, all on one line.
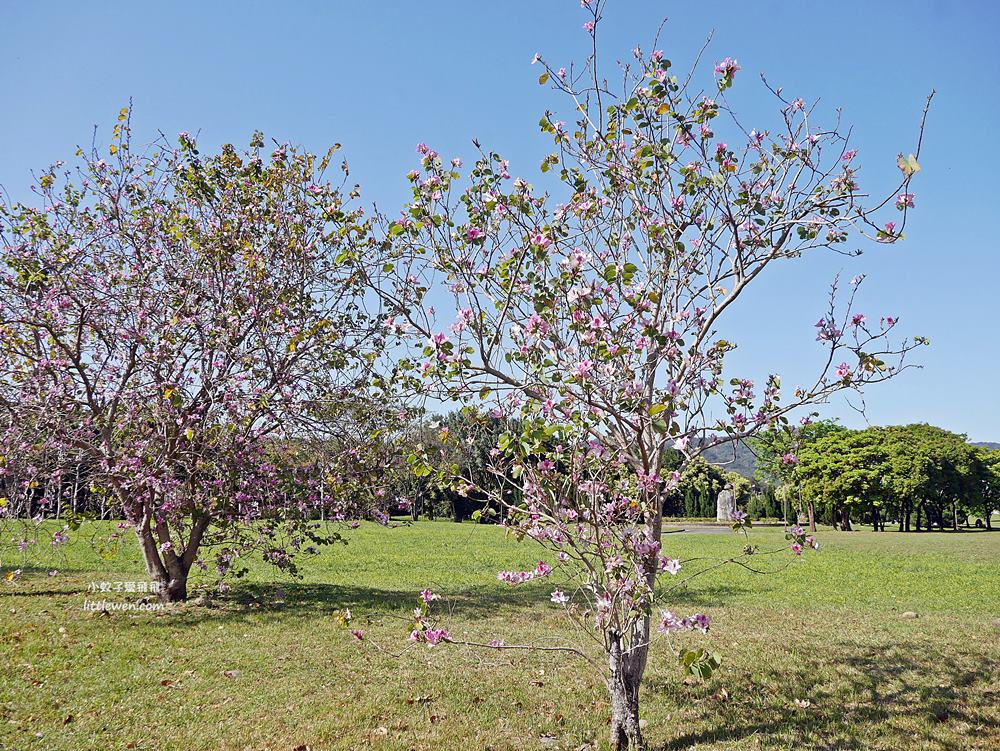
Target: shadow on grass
{"points": [[292, 600], [272, 602], [295, 599], [895, 691]]}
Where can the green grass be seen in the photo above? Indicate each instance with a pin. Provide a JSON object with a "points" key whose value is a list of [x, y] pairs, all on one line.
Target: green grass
{"points": [[815, 655]]}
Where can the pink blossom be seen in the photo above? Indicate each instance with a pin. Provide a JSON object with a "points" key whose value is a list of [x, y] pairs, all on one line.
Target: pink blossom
{"points": [[671, 566], [434, 636], [582, 369], [727, 67]]}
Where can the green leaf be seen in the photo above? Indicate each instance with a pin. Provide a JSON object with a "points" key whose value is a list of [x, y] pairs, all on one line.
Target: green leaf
{"points": [[543, 78]]}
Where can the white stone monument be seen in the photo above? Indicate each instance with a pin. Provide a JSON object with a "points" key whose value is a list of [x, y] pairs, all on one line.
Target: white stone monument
{"points": [[725, 505]]}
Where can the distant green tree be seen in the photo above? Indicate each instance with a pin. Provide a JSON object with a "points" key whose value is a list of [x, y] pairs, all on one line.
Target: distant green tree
{"points": [[461, 441], [843, 474], [777, 451], [934, 473], [988, 480], [897, 472]]}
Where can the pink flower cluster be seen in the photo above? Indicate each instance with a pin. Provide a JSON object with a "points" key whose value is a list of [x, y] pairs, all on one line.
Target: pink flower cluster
{"points": [[800, 540], [520, 577], [432, 636], [670, 623]]}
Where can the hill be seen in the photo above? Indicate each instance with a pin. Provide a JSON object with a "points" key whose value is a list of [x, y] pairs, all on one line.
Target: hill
{"points": [[734, 457]]}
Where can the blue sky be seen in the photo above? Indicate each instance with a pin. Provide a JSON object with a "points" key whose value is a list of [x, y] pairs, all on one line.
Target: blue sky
{"points": [[379, 77]]}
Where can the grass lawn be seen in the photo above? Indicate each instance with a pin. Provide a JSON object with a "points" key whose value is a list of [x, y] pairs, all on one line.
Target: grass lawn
{"points": [[815, 656]]}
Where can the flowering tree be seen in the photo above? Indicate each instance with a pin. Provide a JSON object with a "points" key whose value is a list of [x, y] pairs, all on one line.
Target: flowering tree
{"points": [[178, 324], [592, 314]]}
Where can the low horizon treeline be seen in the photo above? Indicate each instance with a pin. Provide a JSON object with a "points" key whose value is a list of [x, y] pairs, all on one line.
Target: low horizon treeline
{"points": [[914, 477]]}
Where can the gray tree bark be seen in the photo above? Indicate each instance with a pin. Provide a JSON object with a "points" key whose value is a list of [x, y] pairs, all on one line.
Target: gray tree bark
{"points": [[627, 663]]}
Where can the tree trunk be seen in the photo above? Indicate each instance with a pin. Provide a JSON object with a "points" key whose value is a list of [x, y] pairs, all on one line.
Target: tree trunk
{"points": [[623, 685], [812, 516], [954, 515], [168, 570], [845, 520]]}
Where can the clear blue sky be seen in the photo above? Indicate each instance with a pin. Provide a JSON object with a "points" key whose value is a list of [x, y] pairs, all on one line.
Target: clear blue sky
{"points": [[380, 76]]}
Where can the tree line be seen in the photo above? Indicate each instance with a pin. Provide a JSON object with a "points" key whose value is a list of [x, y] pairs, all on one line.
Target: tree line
{"points": [[914, 477]]}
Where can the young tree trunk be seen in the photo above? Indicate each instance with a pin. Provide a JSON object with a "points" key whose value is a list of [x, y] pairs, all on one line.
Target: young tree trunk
{"points": [[812, 516], [623, 686]]}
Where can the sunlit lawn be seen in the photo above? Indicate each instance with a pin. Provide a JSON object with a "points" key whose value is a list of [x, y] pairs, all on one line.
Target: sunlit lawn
{"points": [[815, 656]]}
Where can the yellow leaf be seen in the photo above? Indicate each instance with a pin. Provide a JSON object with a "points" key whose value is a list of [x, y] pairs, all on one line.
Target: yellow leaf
{"points": [[113, 149], [168, 392], [908, 165], [189, 433]]}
